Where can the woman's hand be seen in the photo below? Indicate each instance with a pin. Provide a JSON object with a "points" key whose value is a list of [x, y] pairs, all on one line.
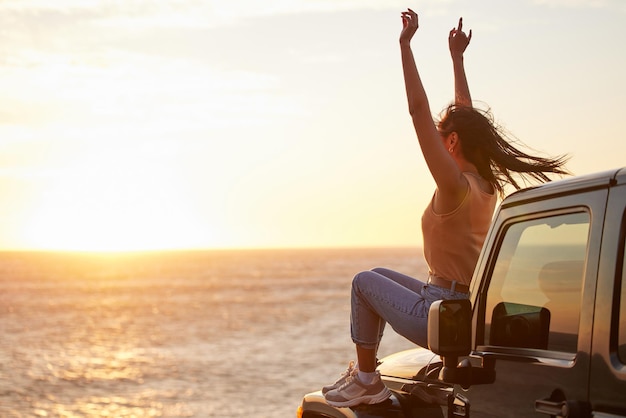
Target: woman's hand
{"points": [[409, 26], [458, 40]]}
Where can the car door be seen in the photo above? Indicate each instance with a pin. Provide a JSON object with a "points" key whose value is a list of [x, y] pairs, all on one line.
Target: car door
{"points": [[608, 361], [534, 307]]}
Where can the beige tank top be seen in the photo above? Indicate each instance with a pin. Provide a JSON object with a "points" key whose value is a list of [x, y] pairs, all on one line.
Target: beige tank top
{"points": [[452, 241]]}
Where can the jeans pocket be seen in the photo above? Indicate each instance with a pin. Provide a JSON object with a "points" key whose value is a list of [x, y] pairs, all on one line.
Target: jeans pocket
{"points": [[433, 293]]}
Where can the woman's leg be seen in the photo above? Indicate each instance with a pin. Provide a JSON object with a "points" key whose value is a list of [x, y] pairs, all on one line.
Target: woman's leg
{"points": [[383, 296], [378, 297], [403, 280]]}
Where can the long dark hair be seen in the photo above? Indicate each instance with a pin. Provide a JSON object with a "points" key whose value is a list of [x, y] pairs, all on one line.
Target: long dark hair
{"points": [[490, 149]]}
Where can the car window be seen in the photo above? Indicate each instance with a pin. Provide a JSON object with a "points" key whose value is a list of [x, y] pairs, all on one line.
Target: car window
{"points": [[534, 295]]}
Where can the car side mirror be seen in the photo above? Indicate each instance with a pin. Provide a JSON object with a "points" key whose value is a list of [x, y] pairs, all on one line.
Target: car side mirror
{"points": [[450, 336], [450, 329]]}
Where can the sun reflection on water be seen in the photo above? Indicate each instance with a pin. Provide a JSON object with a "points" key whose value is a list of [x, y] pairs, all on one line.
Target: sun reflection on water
{"points": [[168, 334]]}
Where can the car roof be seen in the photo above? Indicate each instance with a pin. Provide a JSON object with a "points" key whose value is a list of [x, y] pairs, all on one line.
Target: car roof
{"points": [[568, 185]]}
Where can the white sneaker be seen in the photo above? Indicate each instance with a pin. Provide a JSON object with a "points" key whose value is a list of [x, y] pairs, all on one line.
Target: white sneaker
{"points": [[354, 392]]}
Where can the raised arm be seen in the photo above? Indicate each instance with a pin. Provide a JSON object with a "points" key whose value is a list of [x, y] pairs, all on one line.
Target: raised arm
{"points": [[450, 182], [458, 42]]}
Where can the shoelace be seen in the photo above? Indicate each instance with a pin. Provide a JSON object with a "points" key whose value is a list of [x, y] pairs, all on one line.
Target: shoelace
{"points": [[348, 372]]}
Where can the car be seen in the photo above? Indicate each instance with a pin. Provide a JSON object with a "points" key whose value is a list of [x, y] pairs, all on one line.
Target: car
{"points": [[544, 330]]}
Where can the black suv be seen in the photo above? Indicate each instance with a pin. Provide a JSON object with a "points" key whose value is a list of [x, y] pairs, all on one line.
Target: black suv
{"points": [[544, 331]]}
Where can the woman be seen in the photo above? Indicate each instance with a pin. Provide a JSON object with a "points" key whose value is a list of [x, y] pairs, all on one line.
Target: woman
{"points": [[471, 163]]}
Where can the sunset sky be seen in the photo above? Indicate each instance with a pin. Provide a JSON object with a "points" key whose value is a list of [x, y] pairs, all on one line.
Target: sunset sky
{"points": [[143, 124]]}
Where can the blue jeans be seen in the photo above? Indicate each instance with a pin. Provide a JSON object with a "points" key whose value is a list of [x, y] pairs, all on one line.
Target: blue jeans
{"points": [[382, 296]]}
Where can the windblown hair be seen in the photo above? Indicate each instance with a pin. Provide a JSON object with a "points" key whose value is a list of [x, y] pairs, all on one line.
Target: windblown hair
{"points": [[489, 148]]}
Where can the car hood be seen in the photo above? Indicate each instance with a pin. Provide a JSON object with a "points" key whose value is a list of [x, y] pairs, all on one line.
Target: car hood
{"points": [[415, 364]]}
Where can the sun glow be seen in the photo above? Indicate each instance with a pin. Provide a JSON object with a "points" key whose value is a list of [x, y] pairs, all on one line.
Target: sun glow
{"points": [[182, 124], [129, 152], [112, 202]]}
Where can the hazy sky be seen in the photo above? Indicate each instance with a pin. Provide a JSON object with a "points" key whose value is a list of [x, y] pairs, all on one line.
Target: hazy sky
{"points": [[142, 124]]}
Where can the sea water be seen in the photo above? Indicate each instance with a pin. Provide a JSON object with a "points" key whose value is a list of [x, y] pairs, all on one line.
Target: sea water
{"points": [[179, 334]]}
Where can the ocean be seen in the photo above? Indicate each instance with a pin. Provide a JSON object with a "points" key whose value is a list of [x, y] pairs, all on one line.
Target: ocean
{"points": [[179, 334]]}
